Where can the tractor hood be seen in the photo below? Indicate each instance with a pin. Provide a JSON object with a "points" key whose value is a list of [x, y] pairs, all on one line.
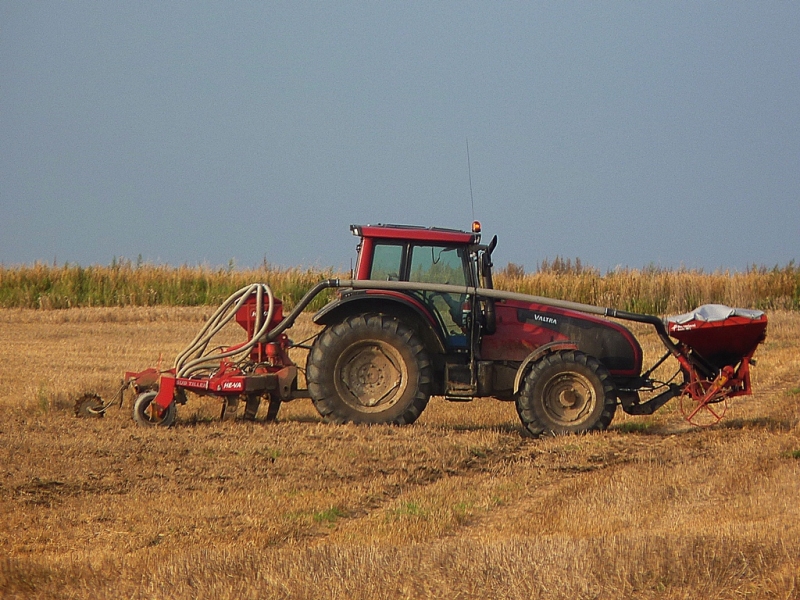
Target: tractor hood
{"points": [[522, 327]]}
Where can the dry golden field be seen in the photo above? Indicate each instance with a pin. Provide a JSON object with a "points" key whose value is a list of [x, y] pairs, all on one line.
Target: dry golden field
{"points": [[459, 505]]}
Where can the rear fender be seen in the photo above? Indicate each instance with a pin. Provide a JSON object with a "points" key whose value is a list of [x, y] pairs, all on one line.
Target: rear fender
{"points": [[536, 355], [404, 307]]}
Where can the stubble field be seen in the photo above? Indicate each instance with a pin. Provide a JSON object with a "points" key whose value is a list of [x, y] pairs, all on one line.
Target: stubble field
{"points": [[459, 505]]}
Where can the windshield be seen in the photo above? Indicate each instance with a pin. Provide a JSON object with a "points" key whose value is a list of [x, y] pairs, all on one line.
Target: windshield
{"points": [[434, 264]]}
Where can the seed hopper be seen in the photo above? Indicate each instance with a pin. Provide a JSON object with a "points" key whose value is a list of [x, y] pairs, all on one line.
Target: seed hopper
{"points": [[715, 350]]}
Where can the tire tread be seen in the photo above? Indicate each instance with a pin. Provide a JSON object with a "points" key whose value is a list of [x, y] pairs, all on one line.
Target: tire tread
{"points": [[534, 424], [334, 339]]}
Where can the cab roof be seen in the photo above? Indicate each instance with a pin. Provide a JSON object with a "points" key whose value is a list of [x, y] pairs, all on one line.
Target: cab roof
{"points": [[414, 233]]}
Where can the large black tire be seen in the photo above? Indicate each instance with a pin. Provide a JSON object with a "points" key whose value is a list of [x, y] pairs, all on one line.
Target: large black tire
{"points": [[145, 414], [566, 392], [369, 369]]}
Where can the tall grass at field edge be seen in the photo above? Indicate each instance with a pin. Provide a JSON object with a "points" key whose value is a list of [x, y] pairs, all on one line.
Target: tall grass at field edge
{"points": [[655, 290], [124, 284], [650, 290]]}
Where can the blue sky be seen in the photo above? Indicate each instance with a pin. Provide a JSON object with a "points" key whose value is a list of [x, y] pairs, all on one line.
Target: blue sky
{"points": [[625, 134]]}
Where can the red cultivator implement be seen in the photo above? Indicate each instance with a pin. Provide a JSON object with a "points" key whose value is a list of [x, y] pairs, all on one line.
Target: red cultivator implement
{"points": [[256, 369]]}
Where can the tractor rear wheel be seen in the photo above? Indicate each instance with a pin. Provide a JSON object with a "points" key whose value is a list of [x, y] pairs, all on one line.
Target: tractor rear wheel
{"points": [[566, 392], [149, 415], [369, 369]]}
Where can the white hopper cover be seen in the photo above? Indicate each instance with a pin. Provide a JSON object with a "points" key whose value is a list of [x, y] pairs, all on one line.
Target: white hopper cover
{"points": [[714, 312]]}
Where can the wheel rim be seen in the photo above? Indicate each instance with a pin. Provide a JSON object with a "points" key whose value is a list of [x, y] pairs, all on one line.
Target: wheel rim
{"points": [[371, 376], [569, 398], [152, 412]]}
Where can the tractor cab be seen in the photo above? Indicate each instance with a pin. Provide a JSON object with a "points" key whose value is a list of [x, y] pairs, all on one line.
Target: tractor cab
{"points": [[429, 255]]}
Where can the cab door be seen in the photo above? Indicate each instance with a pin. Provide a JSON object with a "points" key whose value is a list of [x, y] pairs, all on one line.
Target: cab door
{"points": [[452, 266], [438, 264]]}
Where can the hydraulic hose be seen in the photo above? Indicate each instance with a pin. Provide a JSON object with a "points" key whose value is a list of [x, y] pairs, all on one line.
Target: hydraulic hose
{"points": [[289, 320], [193, 358]]}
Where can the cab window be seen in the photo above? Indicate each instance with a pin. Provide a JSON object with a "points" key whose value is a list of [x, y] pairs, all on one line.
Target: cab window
{"points": [[434, 264], [437, 264], [386, 262]]}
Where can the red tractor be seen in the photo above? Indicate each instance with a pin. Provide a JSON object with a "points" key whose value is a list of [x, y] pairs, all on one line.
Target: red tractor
{"points": [[421, 318], [384, 352]]}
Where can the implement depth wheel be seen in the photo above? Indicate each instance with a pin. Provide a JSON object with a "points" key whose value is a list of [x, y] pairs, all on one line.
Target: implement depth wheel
{"points": [[566, 392], [369, 369], [148, 414]]}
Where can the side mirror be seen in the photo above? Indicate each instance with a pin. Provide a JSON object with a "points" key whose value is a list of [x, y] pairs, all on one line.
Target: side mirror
{"points": [[486, 259], [489, 313]]}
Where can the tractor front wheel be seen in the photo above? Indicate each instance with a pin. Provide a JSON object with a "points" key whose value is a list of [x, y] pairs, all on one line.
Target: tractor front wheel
{"points": [[148, 414], [566, 392], [369, 369]]}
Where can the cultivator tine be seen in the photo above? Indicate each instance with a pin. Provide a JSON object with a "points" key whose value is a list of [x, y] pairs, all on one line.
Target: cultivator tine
{"points": [[274, 407], [229, 407], [251, 407], [253, 403]]}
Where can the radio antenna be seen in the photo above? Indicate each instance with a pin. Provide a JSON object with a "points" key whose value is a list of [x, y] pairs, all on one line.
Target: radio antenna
{"points": [[469, 171]]}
